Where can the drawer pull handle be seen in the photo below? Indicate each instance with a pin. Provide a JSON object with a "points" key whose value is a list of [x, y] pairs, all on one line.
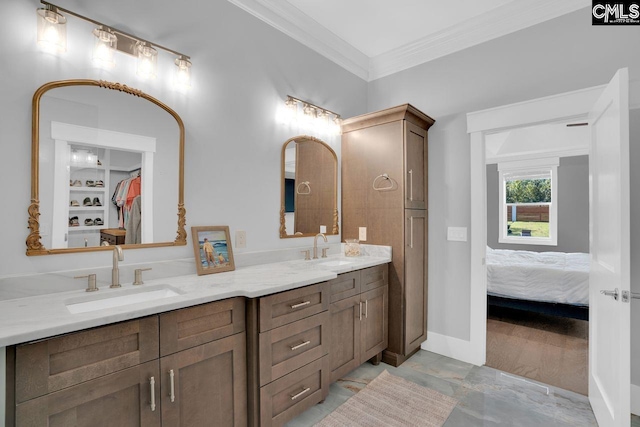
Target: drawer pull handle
{"points": [[152, 383], [301, 304], [295, 396], [295, 347], [173, 386]]}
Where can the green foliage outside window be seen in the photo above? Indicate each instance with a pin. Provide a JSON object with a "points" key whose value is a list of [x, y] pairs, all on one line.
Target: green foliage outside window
{"points": [[528, 191]]}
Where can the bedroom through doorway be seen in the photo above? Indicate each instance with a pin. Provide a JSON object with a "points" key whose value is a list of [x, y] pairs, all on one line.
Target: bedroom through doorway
{"points": [[537, 259]]}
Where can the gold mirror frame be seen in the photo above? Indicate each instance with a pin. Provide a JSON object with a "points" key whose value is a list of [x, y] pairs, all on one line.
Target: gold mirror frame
{"points": [[34, 245], [335, 229]]}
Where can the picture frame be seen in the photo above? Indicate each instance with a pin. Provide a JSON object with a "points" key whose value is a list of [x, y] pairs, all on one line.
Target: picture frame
{"points": [[212, 249]]}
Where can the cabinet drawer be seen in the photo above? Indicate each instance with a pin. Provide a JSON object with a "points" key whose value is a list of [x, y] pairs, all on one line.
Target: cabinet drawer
{"points": [[293, 394], [121, 399], [287, 348], [374, 277], [345, 285], [50, 365], [193, 326], [286, 307]]}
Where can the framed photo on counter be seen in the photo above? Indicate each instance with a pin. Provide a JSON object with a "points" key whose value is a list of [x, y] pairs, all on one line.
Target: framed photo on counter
{"points": [[212, 249]]}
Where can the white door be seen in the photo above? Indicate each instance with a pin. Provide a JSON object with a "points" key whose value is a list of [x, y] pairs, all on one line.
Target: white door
{"points": [[609, 316]]}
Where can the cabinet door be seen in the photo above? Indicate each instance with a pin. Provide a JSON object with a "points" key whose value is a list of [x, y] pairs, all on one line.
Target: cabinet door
{"points": [[208, 386], [122, 399], [374, 335], [415, 255], [415, 164], [344, 353]]}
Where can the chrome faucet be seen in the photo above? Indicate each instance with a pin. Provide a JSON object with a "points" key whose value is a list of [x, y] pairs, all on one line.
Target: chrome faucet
{"points": [[118, 255], [315, 244]]}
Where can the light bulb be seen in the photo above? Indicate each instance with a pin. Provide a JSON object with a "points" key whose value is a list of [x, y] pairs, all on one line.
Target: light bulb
{"points": [[52, 30], [104, 48], [147, 61], [183, 73]]}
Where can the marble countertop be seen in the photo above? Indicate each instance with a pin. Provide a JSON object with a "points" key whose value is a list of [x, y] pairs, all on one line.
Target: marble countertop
{"points": [[42, 316]]}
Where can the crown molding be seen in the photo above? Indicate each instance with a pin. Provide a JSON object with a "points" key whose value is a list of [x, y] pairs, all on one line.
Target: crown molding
{"points": [[490, 25], [290, 20], [512, 17]]}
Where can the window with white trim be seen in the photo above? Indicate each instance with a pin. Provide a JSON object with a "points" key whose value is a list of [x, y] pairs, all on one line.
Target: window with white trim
{"points": [[528, 198]]}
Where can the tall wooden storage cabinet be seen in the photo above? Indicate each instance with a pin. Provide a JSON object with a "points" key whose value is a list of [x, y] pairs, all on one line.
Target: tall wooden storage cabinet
{"points": [[384, 188]]}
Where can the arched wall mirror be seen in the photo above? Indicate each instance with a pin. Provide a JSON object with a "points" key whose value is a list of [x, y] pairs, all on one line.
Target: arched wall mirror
{"points": [[309, 188], [107, 165]]}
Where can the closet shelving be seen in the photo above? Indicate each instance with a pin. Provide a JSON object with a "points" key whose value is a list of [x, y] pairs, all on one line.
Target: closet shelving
{"points": [[110, 172]]}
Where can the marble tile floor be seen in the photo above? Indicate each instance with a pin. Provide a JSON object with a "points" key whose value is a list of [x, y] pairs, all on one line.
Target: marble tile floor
{"points": [[487, 397]]}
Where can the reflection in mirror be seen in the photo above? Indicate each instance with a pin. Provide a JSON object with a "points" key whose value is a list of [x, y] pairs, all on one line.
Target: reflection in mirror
{"points": [[108, 169], [309, 188]]}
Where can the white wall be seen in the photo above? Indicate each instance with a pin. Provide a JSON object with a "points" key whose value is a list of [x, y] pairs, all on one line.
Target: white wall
{"points": [[560, 55], [242, 71]]}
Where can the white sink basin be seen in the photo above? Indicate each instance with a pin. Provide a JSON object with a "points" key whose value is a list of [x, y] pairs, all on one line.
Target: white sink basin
{"points": [[336, 263], [119, 299]]}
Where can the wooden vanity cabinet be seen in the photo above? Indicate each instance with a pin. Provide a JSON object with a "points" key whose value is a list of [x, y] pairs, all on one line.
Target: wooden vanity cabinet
{"points": [[359, 322], [384, 188], [181, 368], [287, 347]]}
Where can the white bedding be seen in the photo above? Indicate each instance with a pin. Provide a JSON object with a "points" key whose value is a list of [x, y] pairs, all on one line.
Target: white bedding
{"points": [[539, 276]]}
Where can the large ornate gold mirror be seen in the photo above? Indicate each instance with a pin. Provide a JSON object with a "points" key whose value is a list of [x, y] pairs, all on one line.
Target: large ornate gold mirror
{"points": [[309, 188], [107, 165]]}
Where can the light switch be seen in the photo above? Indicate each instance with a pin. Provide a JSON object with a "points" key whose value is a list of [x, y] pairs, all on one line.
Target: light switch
{"points": [[457, 234], [323, 229], [362, 234]]}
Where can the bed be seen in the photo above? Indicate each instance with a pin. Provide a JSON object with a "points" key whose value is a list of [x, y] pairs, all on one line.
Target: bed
{"points": [[555, 283]]}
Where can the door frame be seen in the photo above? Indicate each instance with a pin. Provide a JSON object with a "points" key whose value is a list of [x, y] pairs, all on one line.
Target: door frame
{"points": [[573, 105]]}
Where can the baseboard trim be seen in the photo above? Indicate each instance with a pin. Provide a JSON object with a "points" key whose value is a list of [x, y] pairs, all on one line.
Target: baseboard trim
{"points": [[455, 348], [635, 399]]}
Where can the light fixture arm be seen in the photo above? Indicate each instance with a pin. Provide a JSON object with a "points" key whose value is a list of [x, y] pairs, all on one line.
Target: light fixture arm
{"points": [[127, 48]]}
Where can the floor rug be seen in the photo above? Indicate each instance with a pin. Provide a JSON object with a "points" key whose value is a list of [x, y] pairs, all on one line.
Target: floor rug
{"points": [[392, 401]]}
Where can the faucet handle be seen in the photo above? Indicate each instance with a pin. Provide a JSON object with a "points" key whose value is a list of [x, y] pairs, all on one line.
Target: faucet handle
{"points": [[324, 252], [91, 282], [307, 254], [137, 279]]}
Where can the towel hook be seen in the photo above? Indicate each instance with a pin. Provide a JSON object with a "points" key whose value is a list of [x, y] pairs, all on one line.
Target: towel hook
{"points": [[386, 177], [305, 184]]}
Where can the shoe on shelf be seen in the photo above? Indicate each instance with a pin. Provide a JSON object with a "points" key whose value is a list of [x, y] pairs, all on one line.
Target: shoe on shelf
{"points": [[74, 203], [96, 202], [73, 221], [98, 221], [88, 222], [87, 202], [90, 183], [100, 183], [76, 183]]}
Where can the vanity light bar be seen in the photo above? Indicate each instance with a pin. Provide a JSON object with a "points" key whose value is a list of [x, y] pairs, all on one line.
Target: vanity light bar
{"points": [[126, 42], [321, 117]]}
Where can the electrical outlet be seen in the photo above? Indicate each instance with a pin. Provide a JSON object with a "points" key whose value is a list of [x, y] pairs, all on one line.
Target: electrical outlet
{"points": [[241, 239], [323, 229], [362, 234]]}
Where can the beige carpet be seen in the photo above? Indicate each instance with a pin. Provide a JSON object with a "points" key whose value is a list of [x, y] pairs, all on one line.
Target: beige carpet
{"points": [[392, 401]]}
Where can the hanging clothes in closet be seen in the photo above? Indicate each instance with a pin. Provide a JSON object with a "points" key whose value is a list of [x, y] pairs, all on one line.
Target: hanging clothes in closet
{"points": [[123, 196]]}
